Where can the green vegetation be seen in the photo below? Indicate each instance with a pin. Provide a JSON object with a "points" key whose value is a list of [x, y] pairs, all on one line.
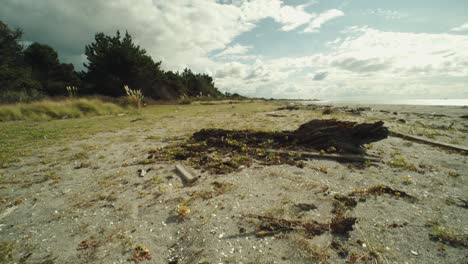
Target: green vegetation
{"points": [[19, 139], [6, 251], [449, 237], [135, 97], [401, 162], [50, 109], [157, 180], [113, 62]]}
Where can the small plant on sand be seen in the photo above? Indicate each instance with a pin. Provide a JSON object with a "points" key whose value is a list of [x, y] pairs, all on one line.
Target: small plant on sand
{"points": [[134, 96], [407, 180], [449, 237], [6, 251], [72, 91], [140, 253], [400, 161], [183, 211], [157, 180]]}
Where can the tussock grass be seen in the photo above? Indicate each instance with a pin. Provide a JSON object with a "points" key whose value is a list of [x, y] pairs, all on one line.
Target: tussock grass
{"points": [[64, 109], [135, 97]]}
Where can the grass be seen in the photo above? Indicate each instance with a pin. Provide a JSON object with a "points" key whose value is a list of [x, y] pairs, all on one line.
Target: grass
{"points": [[64, 109], [449, 237], [6, 251], [23, 138], [400, 161]]}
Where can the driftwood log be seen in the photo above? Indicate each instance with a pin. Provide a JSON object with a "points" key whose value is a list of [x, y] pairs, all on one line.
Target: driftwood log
{"points": [[327, 156], [188, 177], [461, 149], [344, 136]]}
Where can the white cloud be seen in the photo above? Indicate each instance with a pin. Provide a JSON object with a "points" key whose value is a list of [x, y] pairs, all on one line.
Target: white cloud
{"points": [[181, 33], [461, 28], [404, 52], [385, 13], [361, 61], [321, 19], [236, 49], [292, 17], [365, 62], [320, 76]]}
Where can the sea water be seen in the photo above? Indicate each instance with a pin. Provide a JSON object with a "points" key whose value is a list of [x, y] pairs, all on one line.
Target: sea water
{"points": [[449, 102]]}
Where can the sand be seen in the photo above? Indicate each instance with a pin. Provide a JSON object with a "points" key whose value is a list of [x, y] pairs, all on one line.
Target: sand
{"points": [[84, 201]]}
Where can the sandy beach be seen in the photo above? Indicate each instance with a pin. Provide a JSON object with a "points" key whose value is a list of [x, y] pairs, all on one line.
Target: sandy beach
{"points": [[81, 198]]}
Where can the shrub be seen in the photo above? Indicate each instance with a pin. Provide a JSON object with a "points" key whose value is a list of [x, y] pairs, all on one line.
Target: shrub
{"points": [[135, 97], [185, 101]]}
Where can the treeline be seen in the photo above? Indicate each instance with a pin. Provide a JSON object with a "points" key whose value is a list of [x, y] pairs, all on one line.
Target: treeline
{"points": [[113, 61]]}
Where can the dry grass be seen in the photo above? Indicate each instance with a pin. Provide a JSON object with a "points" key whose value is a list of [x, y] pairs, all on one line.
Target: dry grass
{"points": [[135, 97], [64, 109]]}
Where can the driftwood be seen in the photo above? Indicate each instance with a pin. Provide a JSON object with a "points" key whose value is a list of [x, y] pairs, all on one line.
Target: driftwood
{"points": [[326, 156], [185, 173], [461, 149], [317, 134]]}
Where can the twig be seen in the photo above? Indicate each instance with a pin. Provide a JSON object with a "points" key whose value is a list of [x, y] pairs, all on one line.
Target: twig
{"points": [[461, 149], [317, 155]]}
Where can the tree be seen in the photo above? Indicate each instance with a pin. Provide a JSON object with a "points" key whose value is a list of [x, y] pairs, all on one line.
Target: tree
{"points": [[47, 69], [116, 61], [16, 81], [10, 49], [199, 84]]}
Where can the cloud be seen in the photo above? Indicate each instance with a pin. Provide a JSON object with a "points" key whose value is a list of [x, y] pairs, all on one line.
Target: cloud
{"points": [[374, 50], [181, 33], [387, 14], [292, 17], [320, 76], [363, 66], [321, 19], [460, 28], [231, 70], [234, 50], [202, 34], [366, 62]]}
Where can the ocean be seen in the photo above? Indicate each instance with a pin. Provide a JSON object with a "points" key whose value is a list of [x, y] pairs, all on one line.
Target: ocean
{"points": [[447, 102]]}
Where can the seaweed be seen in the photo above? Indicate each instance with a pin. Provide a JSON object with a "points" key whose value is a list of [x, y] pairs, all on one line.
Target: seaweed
{"points": [[448, 237], [139, 254], [342, 203], [220, 151], [380, 190], [342, 224], [270, 226]]}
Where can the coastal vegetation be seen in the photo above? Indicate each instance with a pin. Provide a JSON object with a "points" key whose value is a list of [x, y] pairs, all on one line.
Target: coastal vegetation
{"points": [[33, 72]]}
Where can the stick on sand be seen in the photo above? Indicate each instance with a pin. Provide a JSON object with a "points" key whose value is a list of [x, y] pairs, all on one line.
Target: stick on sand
{"points": [[461, 149]]}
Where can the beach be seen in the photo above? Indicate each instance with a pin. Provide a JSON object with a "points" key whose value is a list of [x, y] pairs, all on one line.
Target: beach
{"points": [[80, 196]]}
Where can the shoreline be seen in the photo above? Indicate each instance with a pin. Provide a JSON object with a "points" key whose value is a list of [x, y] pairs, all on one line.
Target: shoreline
{"points": [[415, 102], [83, 197]]}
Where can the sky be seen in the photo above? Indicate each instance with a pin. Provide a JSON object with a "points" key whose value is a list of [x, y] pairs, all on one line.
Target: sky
{"points": [[302, 49]]}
